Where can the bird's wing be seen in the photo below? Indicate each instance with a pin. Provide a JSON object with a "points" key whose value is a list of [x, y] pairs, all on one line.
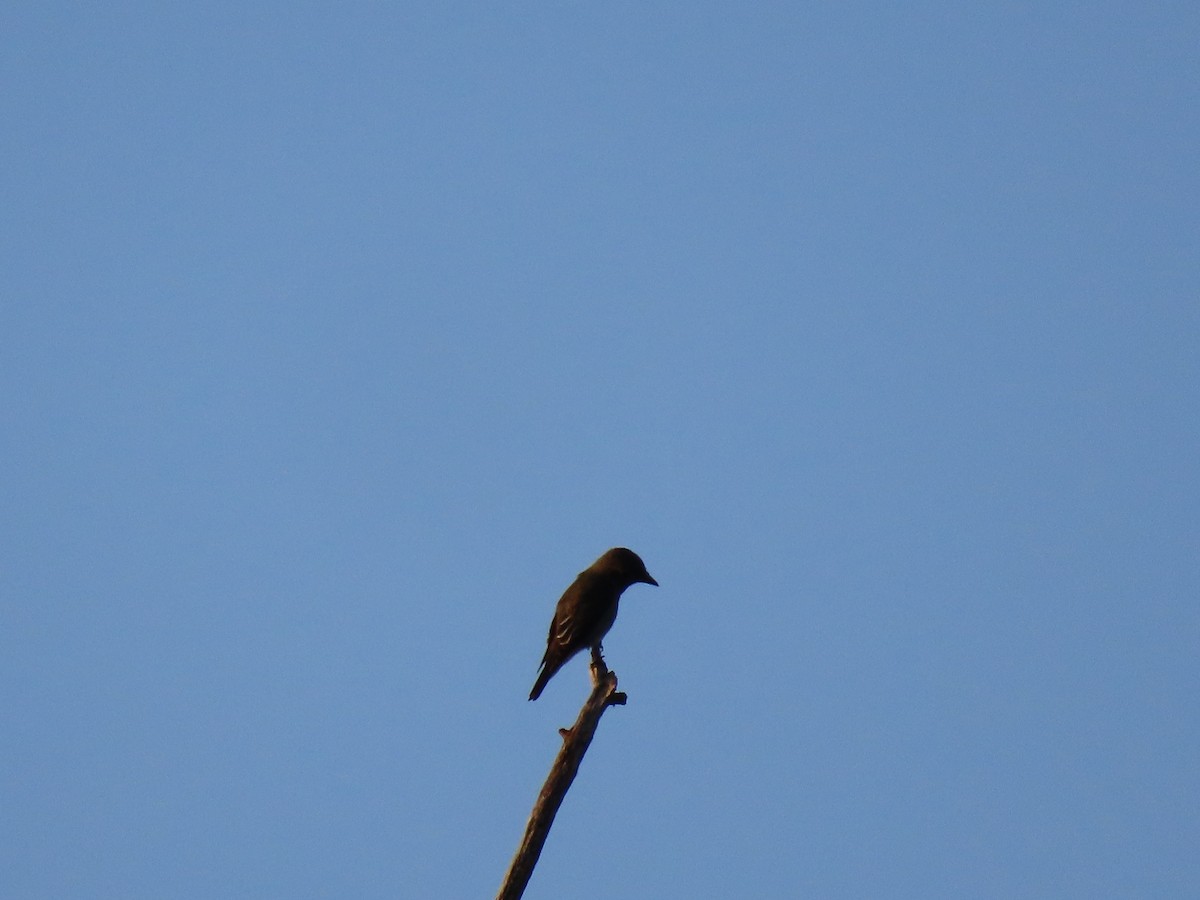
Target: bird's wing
{"points": [[583, 614], [580, 615], [564, 625]]}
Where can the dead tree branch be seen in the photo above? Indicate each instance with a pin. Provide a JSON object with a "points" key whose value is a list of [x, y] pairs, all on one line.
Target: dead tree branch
{"points": [[575, 743]]}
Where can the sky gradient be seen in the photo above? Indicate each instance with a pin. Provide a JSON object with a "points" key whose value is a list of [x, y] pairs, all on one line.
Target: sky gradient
{"points": [[335, 339]]}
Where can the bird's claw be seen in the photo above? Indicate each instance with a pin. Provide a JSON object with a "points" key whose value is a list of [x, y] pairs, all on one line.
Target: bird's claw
{"points": [[598, 658]]}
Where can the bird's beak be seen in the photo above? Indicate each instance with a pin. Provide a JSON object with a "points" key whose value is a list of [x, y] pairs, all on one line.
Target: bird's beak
{"points": [[649, 580]]}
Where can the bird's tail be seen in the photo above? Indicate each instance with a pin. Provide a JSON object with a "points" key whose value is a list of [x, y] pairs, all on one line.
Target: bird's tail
{"points": [[543, 678]]}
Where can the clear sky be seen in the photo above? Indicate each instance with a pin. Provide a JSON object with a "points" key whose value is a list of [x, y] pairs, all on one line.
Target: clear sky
{"points": [[337, 338]]}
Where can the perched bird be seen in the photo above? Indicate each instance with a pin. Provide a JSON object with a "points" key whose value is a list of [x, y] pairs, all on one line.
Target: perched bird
{"points": [[588, 609]]}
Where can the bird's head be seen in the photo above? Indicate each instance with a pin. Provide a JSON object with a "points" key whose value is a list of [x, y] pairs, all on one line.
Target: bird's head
{"points": [[628, 565]]}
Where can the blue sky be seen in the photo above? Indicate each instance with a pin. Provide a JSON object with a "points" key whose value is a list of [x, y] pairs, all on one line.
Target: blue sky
{"points": [[338, 338]]}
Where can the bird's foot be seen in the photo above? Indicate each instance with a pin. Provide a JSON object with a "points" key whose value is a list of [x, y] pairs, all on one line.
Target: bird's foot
{"points": [[598, 660]]}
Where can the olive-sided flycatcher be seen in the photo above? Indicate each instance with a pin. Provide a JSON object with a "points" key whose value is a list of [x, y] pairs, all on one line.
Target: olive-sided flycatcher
{"points": [[588, 609]]}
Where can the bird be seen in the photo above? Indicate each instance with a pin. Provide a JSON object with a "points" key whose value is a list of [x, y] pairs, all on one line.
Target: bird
{"points": [[588, 608]]}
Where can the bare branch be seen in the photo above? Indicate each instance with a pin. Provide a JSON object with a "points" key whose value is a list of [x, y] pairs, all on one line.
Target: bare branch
{"points": [[575, 743]]}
